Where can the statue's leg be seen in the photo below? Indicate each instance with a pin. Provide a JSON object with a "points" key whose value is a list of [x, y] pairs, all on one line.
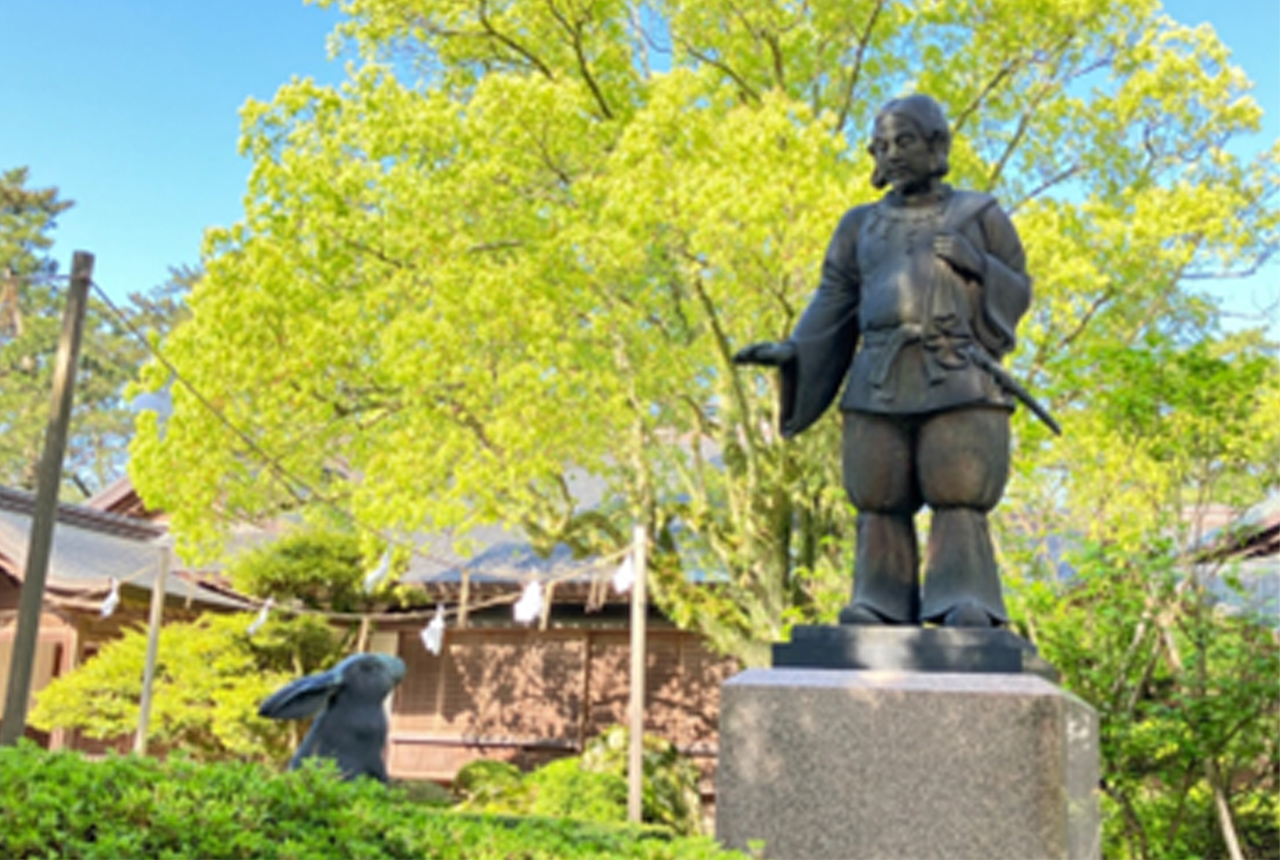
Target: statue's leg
{"points": [[964, 466], [879, 476]]}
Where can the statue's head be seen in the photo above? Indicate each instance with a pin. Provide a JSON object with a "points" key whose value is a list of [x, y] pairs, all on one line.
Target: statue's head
{"points": [[910, 142]]}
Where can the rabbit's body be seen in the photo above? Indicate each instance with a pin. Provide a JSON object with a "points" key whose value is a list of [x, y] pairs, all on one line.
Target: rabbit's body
{"points": [[350, 721]]}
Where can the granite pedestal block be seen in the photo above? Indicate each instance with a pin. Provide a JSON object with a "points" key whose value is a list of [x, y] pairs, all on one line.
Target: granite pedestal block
{"points": [[828, 763]]}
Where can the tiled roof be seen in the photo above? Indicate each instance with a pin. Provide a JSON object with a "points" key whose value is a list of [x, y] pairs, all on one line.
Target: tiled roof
{"points": [[1254, 534], [89, 547]]}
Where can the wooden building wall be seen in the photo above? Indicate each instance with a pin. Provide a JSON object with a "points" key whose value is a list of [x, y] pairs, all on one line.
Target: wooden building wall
{"points": [[529, 696]]}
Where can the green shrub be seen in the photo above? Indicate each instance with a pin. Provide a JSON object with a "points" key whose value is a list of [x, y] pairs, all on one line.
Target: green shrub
{"points": [[561, 789], [670, 787], [62, 805], [423, 792], [485, 785], [564, 789], [211, 676], [322, 568], [592, 787]]}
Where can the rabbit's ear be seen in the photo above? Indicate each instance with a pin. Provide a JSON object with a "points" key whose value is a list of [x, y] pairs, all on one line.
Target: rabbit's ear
{"points": [[302, 698]]}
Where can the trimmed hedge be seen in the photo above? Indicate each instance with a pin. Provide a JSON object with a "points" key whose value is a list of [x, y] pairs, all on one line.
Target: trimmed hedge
{"points": [[58, 804]]}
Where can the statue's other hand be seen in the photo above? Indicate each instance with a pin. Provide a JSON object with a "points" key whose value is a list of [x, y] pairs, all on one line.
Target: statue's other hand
{"points": [[960, 253], [768, 353]]}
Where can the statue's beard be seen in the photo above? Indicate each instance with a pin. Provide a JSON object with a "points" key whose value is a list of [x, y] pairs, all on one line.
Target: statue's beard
{"points": [[880, 179]]}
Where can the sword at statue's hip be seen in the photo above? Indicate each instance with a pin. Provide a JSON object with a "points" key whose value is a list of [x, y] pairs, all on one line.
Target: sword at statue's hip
{"points": [[1006, 381]]}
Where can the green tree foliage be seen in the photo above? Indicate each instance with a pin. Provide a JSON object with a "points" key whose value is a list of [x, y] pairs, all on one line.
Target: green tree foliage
{"points": [[524, 239], [31, 307], [1185, 688], [210, 678], [1148, 628], [1183, 682], [321, 570], [61, 805]]}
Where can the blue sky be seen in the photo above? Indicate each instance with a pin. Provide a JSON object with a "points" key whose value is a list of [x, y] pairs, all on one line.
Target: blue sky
{"points": [[130, 107]]}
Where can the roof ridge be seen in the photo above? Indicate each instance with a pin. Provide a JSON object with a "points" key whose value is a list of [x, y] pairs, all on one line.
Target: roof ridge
{"points": [[82, 516]]}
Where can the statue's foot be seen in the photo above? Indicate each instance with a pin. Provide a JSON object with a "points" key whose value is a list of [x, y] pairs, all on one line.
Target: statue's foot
{"points": [[857, 613], [969, 615]]}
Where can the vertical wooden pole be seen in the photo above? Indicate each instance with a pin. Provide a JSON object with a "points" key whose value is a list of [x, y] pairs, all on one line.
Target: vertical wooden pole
{"points": [[31, 601], [464, 599], [584, 710], [153, 648], [635, 754]]}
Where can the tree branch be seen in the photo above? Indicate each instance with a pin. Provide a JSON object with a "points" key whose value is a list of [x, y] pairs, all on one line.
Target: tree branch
{"points": [[1059, 177], [1024, 121], [364, 248], [466, 418], [496, 245], [1009, 67], [1222, 274], [482, 12], [856, 72], [746, 88], [739, 393], [574, 30]]}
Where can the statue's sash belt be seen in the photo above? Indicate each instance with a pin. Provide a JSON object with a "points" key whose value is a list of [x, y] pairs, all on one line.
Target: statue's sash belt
{"points": [[945, 348], [889, 343]]}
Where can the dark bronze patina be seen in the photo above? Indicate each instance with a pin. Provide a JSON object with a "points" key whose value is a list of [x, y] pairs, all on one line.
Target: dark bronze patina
{"points": [[919, 298]]}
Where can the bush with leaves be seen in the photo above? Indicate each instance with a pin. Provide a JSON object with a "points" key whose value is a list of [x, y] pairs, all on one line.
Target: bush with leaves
{"points": [[567, 789], [487, 785], [591, 787], [670, 787], [210, 678], [61, 805], [320, 569]]}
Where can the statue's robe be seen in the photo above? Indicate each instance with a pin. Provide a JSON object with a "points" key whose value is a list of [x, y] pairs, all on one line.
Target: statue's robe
{"points": [[876, 277], [895, 325]]}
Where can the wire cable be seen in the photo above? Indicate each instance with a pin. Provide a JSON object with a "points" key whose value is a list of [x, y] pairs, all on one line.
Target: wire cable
{"points": [[301, 490]]}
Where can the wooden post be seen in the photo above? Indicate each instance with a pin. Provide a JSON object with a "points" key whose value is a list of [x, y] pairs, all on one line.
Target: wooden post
{"points": [[31, 601], [584, 711], [635, 754], [464, 599], [153, 647]]}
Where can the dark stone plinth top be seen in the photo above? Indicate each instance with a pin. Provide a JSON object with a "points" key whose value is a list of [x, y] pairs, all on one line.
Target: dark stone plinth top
{"points": [[910, 649]]}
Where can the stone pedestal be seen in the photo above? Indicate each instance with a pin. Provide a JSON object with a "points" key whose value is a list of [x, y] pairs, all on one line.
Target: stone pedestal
{"points": [[850, 764]]}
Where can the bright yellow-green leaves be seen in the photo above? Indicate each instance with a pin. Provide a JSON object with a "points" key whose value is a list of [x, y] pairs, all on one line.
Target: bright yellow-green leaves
{"points": [[525, 238], [209, 681]]}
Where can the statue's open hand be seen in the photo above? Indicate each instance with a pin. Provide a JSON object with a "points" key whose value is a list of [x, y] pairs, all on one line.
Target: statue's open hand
{"points": [[960, 253], [767, 353]]}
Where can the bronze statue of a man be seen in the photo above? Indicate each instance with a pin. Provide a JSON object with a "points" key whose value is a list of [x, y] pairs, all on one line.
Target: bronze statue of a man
{"points": [[919, 298]]}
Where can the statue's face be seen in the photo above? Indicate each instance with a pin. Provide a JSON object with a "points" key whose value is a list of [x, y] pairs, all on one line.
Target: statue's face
{"points": [[903, 156]]}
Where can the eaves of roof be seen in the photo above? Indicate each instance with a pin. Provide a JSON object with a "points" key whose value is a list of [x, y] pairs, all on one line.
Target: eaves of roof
{"points": [[90, 547], [83, 516]]}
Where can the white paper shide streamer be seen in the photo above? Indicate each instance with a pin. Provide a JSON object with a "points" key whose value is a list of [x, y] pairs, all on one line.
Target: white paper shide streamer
{"points": [[379, 573], [433, 633], [262, 616], [112, 600], [527, 609], [625, 576]]}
